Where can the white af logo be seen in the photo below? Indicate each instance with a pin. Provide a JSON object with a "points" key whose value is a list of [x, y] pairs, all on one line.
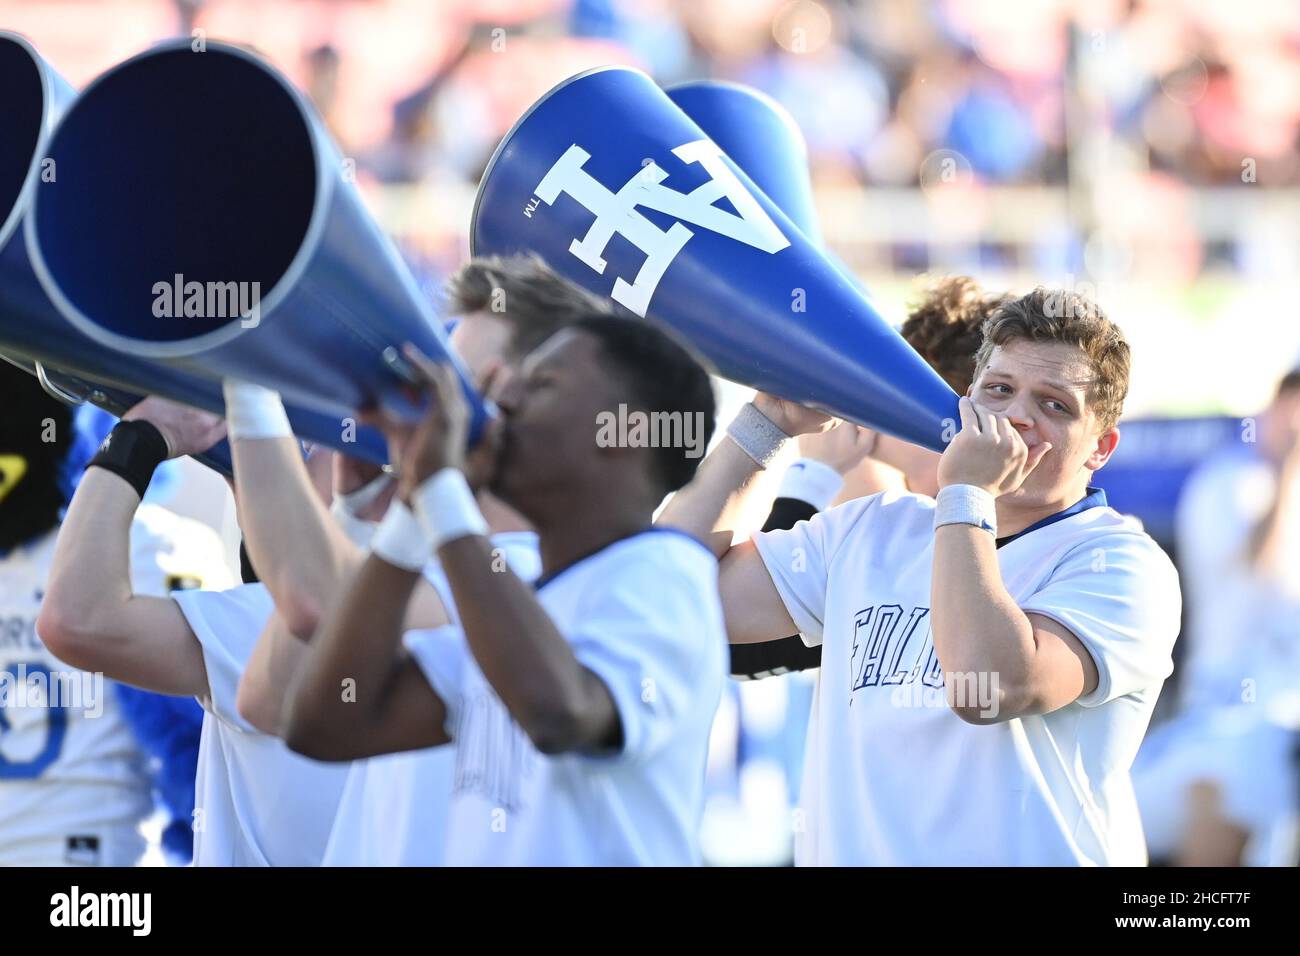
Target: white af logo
{"points": [[616, 212]]}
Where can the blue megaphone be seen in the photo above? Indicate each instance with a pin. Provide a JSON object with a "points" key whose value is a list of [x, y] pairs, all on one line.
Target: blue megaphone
{"points": [[617, 189], [202, 220], [70, 365], [760, 136], [72, 390]]}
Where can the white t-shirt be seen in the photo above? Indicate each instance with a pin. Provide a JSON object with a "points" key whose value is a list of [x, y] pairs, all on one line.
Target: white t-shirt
{"points": [[1243, 626], [257, 803], [73, 781], [643, 614], [394, 808], [893, 776]]}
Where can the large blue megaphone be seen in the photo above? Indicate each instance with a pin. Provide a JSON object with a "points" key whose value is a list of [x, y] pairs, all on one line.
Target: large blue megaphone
{"points": [[70, 365], [202, 219], [617, 189], [760, 136]]}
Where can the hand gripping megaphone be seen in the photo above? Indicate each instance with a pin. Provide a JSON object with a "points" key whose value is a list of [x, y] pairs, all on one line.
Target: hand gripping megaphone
{"points": [[618, 190], [202, 220], [33, 333]]}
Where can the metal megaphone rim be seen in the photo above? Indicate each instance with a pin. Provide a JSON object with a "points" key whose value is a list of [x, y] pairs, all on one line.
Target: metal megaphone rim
{"points": [[26, 191], [325, 186]]}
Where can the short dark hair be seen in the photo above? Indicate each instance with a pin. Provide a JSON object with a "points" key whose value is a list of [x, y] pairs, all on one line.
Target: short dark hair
{"points": [[658, 373], [523, 291]]}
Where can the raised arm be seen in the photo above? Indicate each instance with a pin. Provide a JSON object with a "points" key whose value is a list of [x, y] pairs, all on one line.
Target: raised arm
{"points": [[560, 704], [357, 693], [299, 552], [1039, 665], [271, 668], [808, 486], [753, 607], [298, 547], [91, 618], [728, 471]]}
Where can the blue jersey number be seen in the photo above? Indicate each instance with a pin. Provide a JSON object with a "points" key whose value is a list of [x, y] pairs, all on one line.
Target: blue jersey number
{"points": [[56, 725]]}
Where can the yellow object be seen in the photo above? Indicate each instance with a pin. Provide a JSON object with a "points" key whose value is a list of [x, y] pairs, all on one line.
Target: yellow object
{"points": [[12, 469]]}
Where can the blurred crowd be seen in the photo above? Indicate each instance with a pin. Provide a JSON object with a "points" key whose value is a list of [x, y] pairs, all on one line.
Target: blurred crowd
{"points": [[1190, 90], [1140, 133], [1128, 105]]}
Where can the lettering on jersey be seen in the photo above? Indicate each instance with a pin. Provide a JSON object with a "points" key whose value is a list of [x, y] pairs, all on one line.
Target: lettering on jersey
{"points": [[493, 755], [616, 212], [877, 631], [74, 908], [893, 647], [18, 633]]}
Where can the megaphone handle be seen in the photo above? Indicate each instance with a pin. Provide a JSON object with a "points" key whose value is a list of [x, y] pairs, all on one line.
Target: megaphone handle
{"points": [[54, 391], [217, 457], [399, 365]]}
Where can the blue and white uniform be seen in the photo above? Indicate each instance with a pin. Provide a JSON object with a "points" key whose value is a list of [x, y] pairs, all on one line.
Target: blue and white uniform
{"points": [[894, 777], [74, 784]]}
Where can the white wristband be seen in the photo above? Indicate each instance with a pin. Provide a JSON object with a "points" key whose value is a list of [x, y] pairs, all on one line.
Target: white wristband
{"points": [[400, 540], [446, 509], [812, 481], [756, 434], [354, 501], [358, 530], [966, 504], [253, 411], [348, 506]]}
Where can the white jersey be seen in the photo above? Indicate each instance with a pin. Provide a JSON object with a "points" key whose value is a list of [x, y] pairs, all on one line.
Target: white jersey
{"points": [[73, 780], [893, 776], [394, 808], [256, 802], [643, 614]]}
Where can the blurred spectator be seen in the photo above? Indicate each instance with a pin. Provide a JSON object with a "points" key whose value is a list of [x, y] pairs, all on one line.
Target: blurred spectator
{"points": [[1239, 545], [1218, 784]]}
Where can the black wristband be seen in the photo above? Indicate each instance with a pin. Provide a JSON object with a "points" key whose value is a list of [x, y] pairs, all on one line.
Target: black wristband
{"points": [[785, 655], [133, 451]]}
